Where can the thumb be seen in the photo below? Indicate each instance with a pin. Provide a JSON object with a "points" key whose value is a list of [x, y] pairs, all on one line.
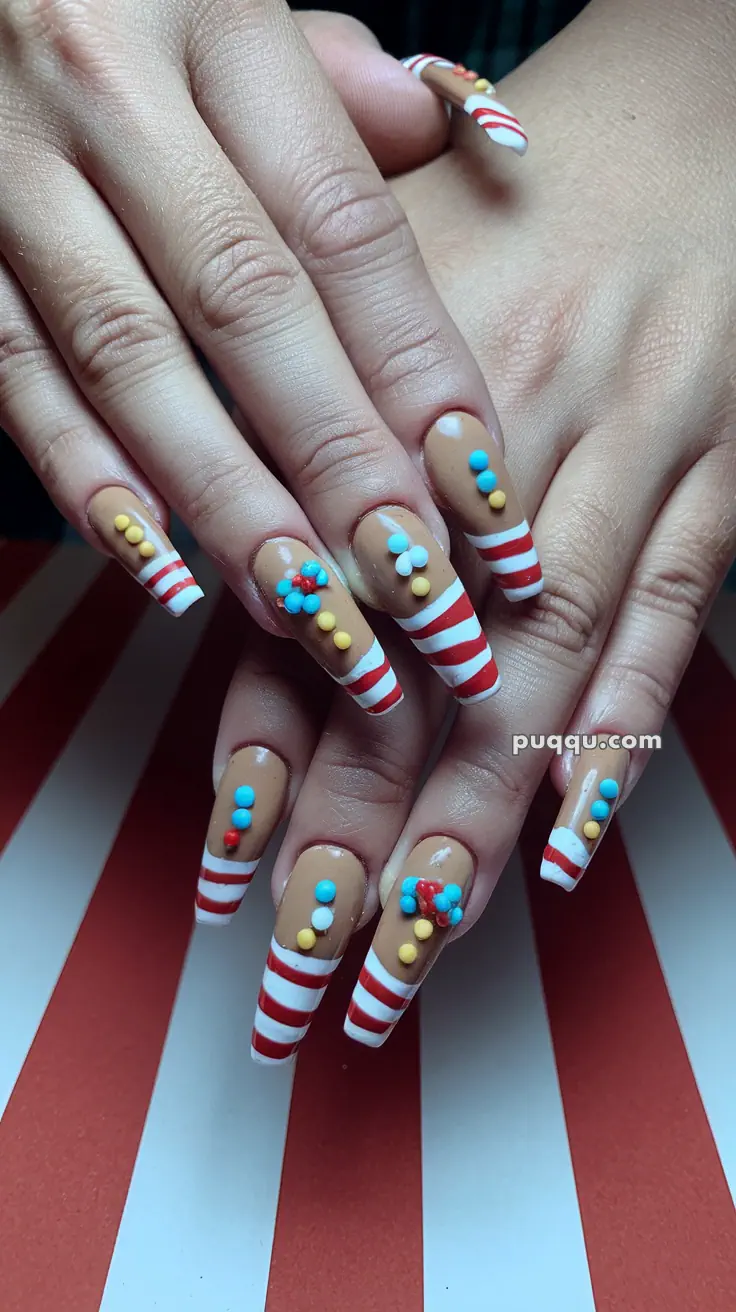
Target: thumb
{"points": [[401, 121]]}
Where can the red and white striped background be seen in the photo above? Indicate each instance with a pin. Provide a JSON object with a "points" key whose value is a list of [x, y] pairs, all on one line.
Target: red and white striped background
{"points": [[567, 1142]]}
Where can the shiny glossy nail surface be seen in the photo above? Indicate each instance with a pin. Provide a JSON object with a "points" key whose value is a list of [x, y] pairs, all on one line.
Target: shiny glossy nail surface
{"points": [[321, 905], [142, 548], [586, 812]]}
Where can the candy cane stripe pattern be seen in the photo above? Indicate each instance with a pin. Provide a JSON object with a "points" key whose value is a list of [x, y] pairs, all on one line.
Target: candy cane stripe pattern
{"points": [[565, 858], [168, 580], [378, 1002], [448, 634], [221, 888], [141, 546], [292, 989], [513, 560], [587, 809], [464, 89], [372, 682]]}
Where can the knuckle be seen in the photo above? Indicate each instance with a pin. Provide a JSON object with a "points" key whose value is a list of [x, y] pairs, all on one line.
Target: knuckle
{"points": [[416, 358], [243, 283], [58, 452], [211, 489], [487, 772], [22, 348], [345, 224], [565, 619], [648, 683], [69, 30], [118, 341], [337, 461], [380, 777], [678, 587], [534, 336]]}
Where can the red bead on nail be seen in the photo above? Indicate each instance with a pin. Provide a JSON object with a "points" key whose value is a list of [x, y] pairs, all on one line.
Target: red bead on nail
{"points": [[231, 838]]}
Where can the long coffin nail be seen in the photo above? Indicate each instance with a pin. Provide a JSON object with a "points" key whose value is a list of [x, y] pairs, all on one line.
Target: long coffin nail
{"points": [[415, 582], [141, 546], [424, 905], [466, 467], [321, 905], [585, 814], [248, 807], [461, 87], [322, 614]]}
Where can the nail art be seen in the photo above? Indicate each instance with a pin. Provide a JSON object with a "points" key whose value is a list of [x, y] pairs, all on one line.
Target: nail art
{"points": [[321, 905], [249, 804], [141, 546], [321, 613], [585, 814], [423, 907], [415, 582], [466, 467], [463, 88]]}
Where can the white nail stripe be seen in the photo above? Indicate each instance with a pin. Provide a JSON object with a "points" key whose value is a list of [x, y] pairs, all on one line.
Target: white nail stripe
{"points": [[521, 594], [567, 842], [465, 631], [479, 101], [220, 865], [158, 562], [183, 600], [453, 675], [367, 1037], [261, 1060], [372, 1007], [377, 692], [510, 564], [291, 995], [497, 539], [387, 709], [435, 609], [274, 1029], [417, 65], [168, 580], [221, 892], [481, 696], [373, 658], [218, 918], [548, 870], [382, 976], [307, 965]]}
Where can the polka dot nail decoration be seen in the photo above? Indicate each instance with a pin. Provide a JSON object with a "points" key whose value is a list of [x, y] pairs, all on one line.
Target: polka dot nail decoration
{"points": [[297, 593], [325, 892], [587, 808], [409, 557], [438, 905], [134, 534], [486, 480], [241, 817]]}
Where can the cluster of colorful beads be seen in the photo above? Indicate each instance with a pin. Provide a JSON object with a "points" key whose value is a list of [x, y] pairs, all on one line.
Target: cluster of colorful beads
{"points": [[409, 558], [485, 479], [479, 83], [437, 903], [135, 536], [325, 892], [601, 808], [241, 819], [296, 592]]}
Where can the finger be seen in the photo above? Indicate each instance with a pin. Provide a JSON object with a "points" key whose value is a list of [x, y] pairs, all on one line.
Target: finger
{"points": [[90, 478], [350, 808], [269, 728], [131, 358], [663, 610]]}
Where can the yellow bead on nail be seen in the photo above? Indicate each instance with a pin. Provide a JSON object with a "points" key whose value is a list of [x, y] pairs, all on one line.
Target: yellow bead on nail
{"points": [[407, 954], [147, 549], [482, 84], [326, 621], [497, 500], [342, 640], [121, 522], [134, 535], [592, 829], [423, 929], [306, 939], [420, 586]]}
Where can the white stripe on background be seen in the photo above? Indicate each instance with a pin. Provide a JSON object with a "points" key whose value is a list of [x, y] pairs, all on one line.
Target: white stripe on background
{"points": [[51, 865], [197, 1229], [721, 628], [502, 1230], [686, 872], [36, 612]]}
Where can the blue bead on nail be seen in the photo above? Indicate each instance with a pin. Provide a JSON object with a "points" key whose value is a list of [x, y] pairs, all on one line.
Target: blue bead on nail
{"points": [[244, 795], [409, 885], [454, 892], [442, 902], [486, 481], [408, 905], [608, 788], [456, 915], [242, 818], [283, 587], [418, 557], [325, 890], [323, 578], [478, 461], [310, 569], [600, 810], [293, 602], [311, 604], [397, 543]]}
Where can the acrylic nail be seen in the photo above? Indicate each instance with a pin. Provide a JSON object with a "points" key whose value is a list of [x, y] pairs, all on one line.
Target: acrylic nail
{"points": [[248, 806], [586, 812], [321, 905], [467, 469], [423, 907], [412, 578], [142, 547], [320, 612], [466, 90]]}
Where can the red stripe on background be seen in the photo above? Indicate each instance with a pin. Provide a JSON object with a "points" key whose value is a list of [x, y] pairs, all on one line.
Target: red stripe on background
{"points": [[659, 1222], [366, 1022], [161, 573], [521, 578], [369, 680], [69, 1137], [485, 678], [215, 877], [514, 547], [175, 589], [349, 1223], [379, 990], [457, 655], [461, 609], [385, 704], [277, 1011], [295, 976], [270, 1048], [217, 908], [704, 711], [20, 560], [60, 686]]}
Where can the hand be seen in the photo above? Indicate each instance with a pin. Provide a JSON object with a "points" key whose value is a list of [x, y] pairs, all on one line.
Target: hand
{"points": [[184, 171]]}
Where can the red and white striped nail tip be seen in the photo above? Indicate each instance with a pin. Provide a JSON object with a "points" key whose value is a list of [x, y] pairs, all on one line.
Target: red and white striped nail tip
{"points": [[322, 904], [465, 465], [249, 804], [586, 812], [372, 682], [425, 904], [141, 546], [414, 581], [468, 91]]}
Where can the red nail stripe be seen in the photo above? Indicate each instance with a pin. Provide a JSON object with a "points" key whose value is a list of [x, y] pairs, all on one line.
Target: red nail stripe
{"points": [[521, 579], [369, 680], [214, 877], [176, 589], [461, 652], [485, 678], [379, 991], [218, 908], [514, 547], [167, 569], [564, 862], [295, 976], [269, 1047], [366, 1022], [461, 609], [277, 1011], [389, 700]]}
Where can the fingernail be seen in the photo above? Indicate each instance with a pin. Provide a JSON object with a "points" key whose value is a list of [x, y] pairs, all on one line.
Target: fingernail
{"points": [[141, 546], [321, 613], [585, 814], [462, 87], [321, 905], [248, 806], [413, 580], [466, 467], [423, 907]]}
